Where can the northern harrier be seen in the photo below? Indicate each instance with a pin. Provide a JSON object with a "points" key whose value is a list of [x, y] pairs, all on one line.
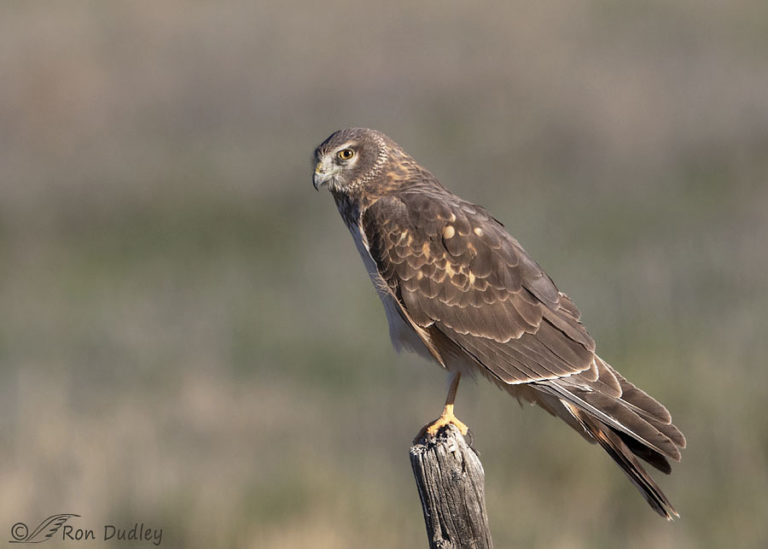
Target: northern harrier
{"points": [[458, 289]]}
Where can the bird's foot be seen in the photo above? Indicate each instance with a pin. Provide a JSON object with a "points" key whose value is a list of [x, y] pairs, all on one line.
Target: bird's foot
{"points": [[446, 418]]}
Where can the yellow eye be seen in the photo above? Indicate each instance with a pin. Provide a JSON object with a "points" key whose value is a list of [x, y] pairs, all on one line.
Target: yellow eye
{"points": [[345, 154]]}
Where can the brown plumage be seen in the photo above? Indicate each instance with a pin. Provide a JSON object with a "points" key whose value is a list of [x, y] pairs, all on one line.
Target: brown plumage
{"points": [[459, 289]]}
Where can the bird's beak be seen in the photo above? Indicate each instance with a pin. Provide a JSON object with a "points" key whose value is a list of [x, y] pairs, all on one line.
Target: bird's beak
{"points": [[324, 172]]}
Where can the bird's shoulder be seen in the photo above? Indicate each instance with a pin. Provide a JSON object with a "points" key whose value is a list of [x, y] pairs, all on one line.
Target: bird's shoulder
{"points": [[443, 253], [420, 229]]}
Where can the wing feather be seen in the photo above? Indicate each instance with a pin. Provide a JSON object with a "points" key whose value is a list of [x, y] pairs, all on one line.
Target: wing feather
{"points": [[453, 266]]}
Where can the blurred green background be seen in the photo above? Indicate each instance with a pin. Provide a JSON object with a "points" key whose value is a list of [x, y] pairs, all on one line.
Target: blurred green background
{"points": [[188, 336]]}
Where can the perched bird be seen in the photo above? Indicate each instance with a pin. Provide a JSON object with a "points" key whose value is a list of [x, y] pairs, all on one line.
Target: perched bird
{"points": [[459, 290]]}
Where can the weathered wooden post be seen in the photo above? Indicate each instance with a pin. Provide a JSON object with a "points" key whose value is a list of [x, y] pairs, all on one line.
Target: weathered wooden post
{"points": [[451, 484]]}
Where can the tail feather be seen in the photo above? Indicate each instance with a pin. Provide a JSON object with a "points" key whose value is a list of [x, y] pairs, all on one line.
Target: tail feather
{"points": [[616, 448], [649, 455], [605, 408], [615, 413], [614, 443]]}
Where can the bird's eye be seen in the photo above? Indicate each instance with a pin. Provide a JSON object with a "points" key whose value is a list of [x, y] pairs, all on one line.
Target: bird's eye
{"points": [[345, 154]]}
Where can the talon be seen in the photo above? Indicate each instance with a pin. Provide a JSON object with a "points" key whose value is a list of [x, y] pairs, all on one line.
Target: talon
{"points": [[446, 418]]}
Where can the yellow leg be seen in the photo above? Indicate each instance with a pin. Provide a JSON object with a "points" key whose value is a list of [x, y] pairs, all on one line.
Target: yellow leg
{"points": [[447, 416]]}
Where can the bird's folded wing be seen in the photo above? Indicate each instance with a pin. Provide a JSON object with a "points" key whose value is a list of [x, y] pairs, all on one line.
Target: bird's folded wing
{"points": [[453, 267]]}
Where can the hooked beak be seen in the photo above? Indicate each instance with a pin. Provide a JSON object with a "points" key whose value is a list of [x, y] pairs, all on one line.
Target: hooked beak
{"points": [[324, 172]]}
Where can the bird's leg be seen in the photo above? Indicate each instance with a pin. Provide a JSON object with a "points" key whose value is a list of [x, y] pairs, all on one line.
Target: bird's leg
{"points": [[447, 416]]}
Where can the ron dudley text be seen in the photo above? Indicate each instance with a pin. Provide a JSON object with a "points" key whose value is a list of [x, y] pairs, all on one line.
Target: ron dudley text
{"points": [[115, 533]]}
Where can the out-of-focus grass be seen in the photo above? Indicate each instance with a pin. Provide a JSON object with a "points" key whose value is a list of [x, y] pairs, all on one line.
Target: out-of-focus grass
{"points": [[189, 339]]}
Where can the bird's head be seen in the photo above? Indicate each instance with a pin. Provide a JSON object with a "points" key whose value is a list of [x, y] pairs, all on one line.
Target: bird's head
{"points": [[350, 158]]}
